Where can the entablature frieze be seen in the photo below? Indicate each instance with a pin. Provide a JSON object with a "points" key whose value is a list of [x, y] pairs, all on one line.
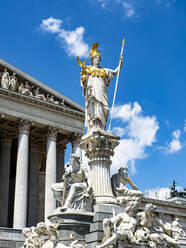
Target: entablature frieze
{"points": [[10, 129]]}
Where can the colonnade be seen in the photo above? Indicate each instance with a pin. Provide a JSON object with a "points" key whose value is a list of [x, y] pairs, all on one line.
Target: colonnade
{"points": [[26, 196]]}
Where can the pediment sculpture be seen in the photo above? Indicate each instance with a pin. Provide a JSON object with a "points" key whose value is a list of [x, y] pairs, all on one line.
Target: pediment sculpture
{"points": [[10, 82]]}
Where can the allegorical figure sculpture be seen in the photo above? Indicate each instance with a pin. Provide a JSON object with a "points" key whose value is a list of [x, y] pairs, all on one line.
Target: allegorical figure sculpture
{"points": [[5, 80], [152, 230], [177, 229], [25, 89], [132, 228], [13, 82], [74, 192], [45, 235], [95, 81], [119, 181], [39, 95], [119, 229]]}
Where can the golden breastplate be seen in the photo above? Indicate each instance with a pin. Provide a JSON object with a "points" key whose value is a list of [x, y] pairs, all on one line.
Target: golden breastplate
{"points": [[96, 72]]}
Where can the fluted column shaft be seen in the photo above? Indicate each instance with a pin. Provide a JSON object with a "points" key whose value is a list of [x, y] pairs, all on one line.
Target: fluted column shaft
{"points": [[33, 192], [50, 175], [5, 156], [21, 186], [100, 178], [60, 162]]}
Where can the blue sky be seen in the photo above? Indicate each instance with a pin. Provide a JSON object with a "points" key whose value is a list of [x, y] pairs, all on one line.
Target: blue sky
{"points": [[43, 38]]}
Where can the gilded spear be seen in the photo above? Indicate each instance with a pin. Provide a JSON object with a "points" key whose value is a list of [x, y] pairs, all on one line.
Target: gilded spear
{"points": [[111, 112]]}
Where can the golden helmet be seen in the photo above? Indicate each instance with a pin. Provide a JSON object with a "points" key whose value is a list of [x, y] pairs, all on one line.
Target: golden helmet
{"points": [[93, 52]]}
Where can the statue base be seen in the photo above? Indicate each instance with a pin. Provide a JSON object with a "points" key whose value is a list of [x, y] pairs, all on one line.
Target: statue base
{"points": [[102, 211], [99, 146], [72, 222]]}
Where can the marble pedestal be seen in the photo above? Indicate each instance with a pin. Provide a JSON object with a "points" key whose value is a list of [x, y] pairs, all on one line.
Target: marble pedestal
{"points": [[99, 147], [72, 222], [102, 211]]}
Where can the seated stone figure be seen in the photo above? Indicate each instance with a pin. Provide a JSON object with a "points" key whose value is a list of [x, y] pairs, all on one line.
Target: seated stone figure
{"points": [[152, 230], [74, 192], [119, 181]]}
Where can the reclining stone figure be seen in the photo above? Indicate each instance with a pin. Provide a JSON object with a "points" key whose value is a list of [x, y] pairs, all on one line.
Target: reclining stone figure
{"points": [[119, 230], [152, 230]]}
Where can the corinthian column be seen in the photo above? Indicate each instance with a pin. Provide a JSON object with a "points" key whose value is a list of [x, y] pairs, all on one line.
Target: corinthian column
{"points": [[33, 190], [50, 175], [5, 154], [60, 162], [99, 147], [20, 203]]}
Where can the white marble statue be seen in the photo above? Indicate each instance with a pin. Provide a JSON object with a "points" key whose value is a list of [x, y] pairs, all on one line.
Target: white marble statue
{"points": [[95, 81], [146, 193], [119, 181], [177, 229], [13, 82], [51, 99], [43, 235], [39, 95], [119, 230], [74, 192], [5, 80], [132, 228], [25, 89], [152, 230]]}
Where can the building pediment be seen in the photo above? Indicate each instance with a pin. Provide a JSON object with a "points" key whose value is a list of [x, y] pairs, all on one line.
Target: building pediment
{"points": [[16, 83]]}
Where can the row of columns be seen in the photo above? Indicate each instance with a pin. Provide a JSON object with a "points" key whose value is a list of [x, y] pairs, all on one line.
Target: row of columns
{"points": [[25, 175]]}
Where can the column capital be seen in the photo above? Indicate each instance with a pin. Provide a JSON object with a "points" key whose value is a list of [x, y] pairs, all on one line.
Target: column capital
{"points": [[61, 148], [75, 138], [52, 133], [5, 138], [24, 126]]}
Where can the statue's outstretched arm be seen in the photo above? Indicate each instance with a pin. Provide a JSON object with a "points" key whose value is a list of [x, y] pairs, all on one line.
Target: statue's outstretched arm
{"points": [[131, 183], [119, 66]]}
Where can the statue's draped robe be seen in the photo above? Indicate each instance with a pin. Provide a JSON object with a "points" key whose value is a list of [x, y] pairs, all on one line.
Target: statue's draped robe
{"points": [[96, 99]]}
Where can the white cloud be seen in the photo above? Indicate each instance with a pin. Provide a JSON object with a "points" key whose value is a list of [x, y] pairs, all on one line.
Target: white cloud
{"points": [[74, 44], [119, 131], [127, 6], [129, 9], [51, 25], [72, 41], [175, 144], [159, 193], [140, 133]]}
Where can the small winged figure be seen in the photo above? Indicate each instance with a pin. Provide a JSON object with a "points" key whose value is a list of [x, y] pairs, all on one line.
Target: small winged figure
{"points": [[83, 74]]}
